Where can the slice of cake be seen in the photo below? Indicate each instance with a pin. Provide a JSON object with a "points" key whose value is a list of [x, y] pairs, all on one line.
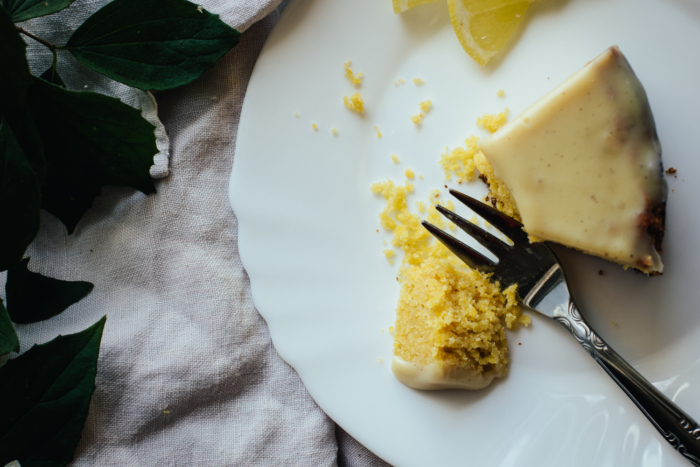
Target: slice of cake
{"points": [[583, 166]]}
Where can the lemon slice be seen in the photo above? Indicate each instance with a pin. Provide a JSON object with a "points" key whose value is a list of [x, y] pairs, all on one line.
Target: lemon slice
{"points": [[403, 5], [484, 26]]}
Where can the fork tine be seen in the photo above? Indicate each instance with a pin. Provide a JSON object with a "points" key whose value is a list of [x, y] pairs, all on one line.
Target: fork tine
{"points": [[490, 242], [509, 226], [471, 257]]}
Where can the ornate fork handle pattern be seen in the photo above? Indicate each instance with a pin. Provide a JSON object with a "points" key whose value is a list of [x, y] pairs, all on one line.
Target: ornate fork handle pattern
{"points": [[679, 429]]}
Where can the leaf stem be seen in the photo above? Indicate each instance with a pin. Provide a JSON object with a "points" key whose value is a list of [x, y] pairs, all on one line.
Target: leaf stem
{"points": [[52, 47], [53, 64]]}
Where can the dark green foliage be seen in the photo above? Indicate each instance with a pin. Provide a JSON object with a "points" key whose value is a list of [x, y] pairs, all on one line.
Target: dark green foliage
{"points": [[8, 336], [45, 399], [32, 297], [15, 81], [20, 200], [22, 10], [96, 141], [151, 44]]}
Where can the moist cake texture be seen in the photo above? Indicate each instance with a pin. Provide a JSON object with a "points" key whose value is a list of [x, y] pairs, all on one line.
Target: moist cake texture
{"points": [[450, 319], [583, 166]]}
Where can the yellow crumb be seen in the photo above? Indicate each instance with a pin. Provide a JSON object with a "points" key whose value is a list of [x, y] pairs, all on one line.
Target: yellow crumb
{"points": [[355, 103], [388, 254], [426, 105], [296, 114], [352, 77], [460, 161], [447, 313], [395, 158], [166, 411], [420, 205], [487, 224], [420, 176], [418, 81], [381, 360], [334, 131], [396, 84], [409, 173], [382, 330], [401, 81], [501, 93], [492, 122], [417, 118], [434, 193], [379, 133], [474, 220], [314, 126]]}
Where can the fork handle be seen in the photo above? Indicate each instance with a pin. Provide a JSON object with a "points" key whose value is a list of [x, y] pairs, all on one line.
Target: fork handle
{"points": [[679, 429]]}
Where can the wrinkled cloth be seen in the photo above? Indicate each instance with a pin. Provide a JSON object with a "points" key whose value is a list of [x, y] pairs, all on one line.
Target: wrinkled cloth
{"points": [[187, 373]]}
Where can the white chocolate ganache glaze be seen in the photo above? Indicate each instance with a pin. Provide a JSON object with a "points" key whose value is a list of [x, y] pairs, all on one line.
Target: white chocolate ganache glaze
{"points": [[583, 165], [434, 376]]}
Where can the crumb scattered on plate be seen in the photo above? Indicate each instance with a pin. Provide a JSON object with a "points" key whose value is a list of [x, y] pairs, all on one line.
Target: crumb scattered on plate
{"points": [[355, 79], [355, 103]]}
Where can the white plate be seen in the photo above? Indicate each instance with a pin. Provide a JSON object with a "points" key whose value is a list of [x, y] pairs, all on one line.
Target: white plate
{"points": [[308, 225]]}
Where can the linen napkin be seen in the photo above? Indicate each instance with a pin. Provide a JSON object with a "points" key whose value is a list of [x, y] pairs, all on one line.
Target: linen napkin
{"points": [[187, 372]]}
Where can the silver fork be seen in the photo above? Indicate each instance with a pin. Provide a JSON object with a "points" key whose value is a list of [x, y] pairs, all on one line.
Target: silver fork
{"points": [[542, 284]]}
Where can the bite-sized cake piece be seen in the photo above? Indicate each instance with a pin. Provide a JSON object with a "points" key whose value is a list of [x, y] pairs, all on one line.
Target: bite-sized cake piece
{"points": [[583, 166], [450, 326]]}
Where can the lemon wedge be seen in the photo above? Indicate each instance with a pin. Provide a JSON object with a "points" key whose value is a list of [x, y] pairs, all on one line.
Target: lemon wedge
{"points": [[403, 5], [484, 26]]}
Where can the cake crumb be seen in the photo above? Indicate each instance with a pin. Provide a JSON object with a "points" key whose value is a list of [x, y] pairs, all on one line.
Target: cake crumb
{"points": [[355, 103], [420, 205], [391, 328], [417, 118], [474, 220], [492, 122], [418, 81], [296, 114], [395, 158], [334, 130], [389, 254], [314, 126], [501, 93], [380, 360], [401, 81], [409, 173], [435, 193], [426, 105], [355, 79], [379, 133], [166, 411], [671, 171]]}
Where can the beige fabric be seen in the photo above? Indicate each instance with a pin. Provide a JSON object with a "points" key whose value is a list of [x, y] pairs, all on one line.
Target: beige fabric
{"points": [[187, 372]]}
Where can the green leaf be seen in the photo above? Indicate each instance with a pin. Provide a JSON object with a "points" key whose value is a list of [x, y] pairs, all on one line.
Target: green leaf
{"points": [[15, 81], [22, 10], [151, 45], [45, 399], [9, 342], [51, 75], [96, 141], [32, 297], [20, 200]]}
